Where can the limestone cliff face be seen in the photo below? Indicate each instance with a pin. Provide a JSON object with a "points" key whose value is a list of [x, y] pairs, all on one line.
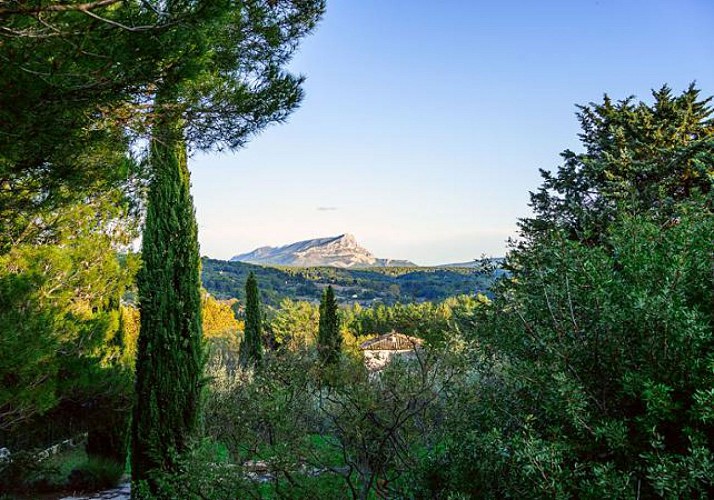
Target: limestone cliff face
{"points": [[339, 251]]}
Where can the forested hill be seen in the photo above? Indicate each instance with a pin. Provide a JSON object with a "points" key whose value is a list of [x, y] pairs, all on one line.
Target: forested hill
{"points": [[225, 279]]}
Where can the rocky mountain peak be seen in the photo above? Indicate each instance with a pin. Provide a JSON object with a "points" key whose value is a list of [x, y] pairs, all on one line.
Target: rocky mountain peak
{"points": [[337, 251], [347, 238]]}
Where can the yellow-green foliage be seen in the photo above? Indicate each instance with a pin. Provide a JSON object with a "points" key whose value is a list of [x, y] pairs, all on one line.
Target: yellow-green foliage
{"points": [[221, 329], [220, 326], [130, 322], [219, 320], [294, 325], [59, 322]]}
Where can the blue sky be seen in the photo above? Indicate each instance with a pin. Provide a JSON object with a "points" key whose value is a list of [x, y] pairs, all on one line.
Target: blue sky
{"points": [[424, 123]]}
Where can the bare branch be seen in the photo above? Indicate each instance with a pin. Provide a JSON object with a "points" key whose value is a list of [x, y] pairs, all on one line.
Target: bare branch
{"points": [[133, 29], [82, 7]]}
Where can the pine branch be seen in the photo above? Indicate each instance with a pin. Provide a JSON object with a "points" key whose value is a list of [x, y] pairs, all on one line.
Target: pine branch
{"points": [[82, 7]]}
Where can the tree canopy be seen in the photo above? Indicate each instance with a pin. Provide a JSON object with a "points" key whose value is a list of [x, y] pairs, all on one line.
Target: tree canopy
{"points": [[601, 335], [637, 156]]}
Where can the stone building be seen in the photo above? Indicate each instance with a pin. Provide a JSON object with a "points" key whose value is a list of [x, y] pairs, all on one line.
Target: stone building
{"points": [[379, 351]]}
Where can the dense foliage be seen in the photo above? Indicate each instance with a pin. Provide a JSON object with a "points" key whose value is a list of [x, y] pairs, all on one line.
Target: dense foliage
{"points": [[603, 363], [65, 366], [601, 342], [59, 304], [63, 92], [638, 157], [225, 279]]}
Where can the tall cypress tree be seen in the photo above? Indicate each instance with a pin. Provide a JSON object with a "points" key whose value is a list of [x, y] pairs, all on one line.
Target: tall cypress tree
{"points": [[329, 337], [251, 351], [223, 81], [169, 369]]}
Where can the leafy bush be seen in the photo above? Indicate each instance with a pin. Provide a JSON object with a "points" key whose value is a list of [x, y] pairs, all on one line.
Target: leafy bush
{"points": [[24, 473], [96, 474], [607, 355], [594, 363], [73, 470], [359, 435], [201, 473]]}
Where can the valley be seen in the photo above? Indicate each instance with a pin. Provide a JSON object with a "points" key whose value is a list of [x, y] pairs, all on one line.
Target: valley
{"points": [[388, 285]]}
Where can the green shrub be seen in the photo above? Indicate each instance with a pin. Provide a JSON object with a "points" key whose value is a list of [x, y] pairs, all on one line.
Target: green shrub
{"points": [[96, 473], [23, 473], [606, 355], [201, 473]]}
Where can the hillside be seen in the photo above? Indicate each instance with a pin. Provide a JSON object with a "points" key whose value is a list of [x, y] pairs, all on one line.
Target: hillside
{"points": [[226, 279]]}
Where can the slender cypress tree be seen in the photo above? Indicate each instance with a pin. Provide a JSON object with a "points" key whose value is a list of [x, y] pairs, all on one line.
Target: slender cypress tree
{"points": [[223, 81], [169, 369], [329, 337], [251, 351]]}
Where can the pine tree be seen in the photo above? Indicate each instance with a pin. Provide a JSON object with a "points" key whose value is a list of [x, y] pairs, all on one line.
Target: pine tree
{"points": [[169, 368], [251, 351], [329, 337]]}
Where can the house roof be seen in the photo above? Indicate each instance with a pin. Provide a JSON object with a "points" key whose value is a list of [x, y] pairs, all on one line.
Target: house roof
{"points": [[391, 341]]}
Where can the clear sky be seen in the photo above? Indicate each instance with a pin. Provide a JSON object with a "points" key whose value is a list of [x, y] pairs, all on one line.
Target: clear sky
{"points": [[424, 123]]}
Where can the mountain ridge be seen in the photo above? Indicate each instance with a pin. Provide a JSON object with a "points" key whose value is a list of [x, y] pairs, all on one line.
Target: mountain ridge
{"points": [[340, 251]]}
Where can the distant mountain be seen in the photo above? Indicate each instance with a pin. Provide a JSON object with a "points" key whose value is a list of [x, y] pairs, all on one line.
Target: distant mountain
{"points": [[341, 251]]}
